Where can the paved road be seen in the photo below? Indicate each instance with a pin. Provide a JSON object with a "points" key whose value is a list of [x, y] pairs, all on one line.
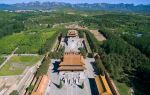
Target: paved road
{"points": [[89, 68]]}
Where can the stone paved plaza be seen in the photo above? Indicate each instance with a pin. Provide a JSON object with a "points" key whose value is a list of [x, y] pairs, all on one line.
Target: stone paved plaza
{"points": [[68, 89], [72, 44]]}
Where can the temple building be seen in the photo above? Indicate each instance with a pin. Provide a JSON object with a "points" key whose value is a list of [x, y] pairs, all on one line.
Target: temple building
{"points": [[72, 33], [72, 42], [72, 62], [71, 69]]}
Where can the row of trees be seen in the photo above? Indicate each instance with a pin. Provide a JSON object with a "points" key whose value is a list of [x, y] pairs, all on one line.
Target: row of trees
{"points": [[43, 69], [92, 41], [57, 54], [81, 33], [83, 52], [47, 48], [99, 67], [49, 43]]}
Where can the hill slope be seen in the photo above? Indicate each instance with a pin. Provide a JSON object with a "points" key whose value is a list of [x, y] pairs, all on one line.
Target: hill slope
{"points": [[85, 6]]}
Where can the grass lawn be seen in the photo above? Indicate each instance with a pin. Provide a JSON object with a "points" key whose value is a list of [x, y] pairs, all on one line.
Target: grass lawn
{"points": [[17, 64], [123, 88]]}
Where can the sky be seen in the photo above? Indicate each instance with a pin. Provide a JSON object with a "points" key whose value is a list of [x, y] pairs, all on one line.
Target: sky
{"points": [[80, 1]]}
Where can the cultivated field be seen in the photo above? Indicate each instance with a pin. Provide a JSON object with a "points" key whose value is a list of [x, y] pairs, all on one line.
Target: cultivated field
{"points": [[17, 64]]}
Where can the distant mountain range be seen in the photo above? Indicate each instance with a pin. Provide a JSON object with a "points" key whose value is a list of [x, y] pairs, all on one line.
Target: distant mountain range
{"points": [[85, 6]]}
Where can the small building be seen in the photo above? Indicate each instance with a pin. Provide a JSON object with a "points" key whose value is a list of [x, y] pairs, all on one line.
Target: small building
{"points": [[72, 62]]}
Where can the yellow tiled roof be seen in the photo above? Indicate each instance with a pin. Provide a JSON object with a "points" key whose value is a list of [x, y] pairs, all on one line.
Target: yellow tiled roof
{"points": [[102, 85]]}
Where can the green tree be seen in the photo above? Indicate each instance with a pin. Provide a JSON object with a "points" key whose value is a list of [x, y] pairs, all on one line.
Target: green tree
{"points": [[83, 52], [99, 66], [30, 88], [15, 92]]}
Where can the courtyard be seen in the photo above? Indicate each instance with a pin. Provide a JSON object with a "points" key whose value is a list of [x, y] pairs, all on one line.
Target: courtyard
{"points": [[70, 88], [71, 75]]}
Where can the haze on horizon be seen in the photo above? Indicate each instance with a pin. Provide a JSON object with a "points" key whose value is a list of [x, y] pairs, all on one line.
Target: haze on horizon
{"points": [[136, 2]]}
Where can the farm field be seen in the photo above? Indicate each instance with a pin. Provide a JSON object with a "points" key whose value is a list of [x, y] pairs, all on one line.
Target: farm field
{"points": [[27, 42], [17, 64]]}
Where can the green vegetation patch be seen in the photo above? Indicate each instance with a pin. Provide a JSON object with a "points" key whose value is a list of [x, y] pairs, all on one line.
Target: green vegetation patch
{"points": [[33, 42], [9, 43], [17, 64], [27, 42], [119, 22], [123, 88]]}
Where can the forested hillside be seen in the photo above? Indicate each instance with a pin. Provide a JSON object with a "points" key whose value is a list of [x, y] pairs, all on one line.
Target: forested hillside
{"points": [[125, 53], [83, 6]]}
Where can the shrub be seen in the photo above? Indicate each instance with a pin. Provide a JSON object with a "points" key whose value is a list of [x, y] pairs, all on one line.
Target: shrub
{"points": [[15, 92]]}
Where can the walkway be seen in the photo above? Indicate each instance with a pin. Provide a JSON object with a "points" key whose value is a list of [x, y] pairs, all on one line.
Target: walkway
{"points": [[89, 68]]}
